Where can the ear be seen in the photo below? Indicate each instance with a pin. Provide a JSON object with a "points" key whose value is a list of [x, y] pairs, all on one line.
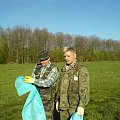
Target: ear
{"points": [[49, 58], [75, 55]]}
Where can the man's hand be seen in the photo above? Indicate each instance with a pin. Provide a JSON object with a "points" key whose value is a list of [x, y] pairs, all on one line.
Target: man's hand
{"points": [[29, 79], [57, 106], [80, 111]]}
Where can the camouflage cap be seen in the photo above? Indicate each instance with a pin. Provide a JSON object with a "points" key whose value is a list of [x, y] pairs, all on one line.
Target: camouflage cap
{"points": [[44, 56]]}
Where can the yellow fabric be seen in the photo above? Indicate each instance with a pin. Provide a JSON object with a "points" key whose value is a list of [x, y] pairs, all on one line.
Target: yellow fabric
{"points": [[28, 79]]}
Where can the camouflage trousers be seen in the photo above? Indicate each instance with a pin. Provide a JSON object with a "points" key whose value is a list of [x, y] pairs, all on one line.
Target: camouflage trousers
{"points": [[48, 103], [66, 114], [48, 106]]}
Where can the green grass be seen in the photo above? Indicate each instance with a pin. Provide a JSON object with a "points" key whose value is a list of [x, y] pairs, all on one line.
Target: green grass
{"points": [[104, 90]]}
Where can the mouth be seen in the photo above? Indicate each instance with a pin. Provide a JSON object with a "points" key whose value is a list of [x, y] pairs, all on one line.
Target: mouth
{"points": [[67, 61]]}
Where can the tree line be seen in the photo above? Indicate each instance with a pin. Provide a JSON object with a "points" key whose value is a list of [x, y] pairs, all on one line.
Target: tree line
{"points": [[23, 45]]}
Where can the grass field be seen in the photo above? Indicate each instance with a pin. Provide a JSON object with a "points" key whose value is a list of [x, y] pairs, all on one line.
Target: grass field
{"points": [[104, 84]]}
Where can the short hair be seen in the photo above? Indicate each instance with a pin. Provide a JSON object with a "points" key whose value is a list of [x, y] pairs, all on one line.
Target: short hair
{"points": [[66, 49]]}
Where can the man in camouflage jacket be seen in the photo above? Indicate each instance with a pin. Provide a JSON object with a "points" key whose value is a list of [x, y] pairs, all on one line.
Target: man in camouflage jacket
{"points": [[73, 86]]}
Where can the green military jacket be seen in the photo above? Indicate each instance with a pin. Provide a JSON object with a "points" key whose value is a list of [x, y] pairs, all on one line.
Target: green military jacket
{"points": [[73, 87]]}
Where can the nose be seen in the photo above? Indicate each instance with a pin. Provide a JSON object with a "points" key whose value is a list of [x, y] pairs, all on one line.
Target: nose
{"points": [[66, 58]]}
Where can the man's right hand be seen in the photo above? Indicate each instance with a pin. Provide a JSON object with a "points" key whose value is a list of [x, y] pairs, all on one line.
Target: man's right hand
{"points": [[57, 106], [29, 79]]}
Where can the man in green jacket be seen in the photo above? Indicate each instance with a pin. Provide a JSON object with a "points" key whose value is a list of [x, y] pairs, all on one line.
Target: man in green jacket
{"points": [[73, 86]]}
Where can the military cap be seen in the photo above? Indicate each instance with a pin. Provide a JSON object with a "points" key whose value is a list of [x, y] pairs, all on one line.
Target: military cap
{"points": [[44, 56]]}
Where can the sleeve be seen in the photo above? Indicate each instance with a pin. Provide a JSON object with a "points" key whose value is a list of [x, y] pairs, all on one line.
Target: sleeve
{"points": [[49, 80], [33, 75], [58, 85], [36, 70], [84, 87]]}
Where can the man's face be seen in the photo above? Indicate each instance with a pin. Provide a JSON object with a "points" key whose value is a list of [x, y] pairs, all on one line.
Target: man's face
{"points": [[69, 57], [45, 62]]}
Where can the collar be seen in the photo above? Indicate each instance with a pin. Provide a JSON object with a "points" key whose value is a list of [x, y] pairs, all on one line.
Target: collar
{"points": [[72, 65], [48, 65]]}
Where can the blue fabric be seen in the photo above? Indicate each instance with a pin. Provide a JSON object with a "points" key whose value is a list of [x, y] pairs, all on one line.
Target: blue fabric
{"points": [[33, 108], [75, 116]]}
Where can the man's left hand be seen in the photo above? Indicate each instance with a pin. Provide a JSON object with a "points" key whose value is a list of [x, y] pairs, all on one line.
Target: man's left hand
{"points": [[80, 110]]}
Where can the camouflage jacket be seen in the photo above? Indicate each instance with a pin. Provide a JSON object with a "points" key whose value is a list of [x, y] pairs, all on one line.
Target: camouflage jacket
{"points": [[45, 80], [73, 87]]}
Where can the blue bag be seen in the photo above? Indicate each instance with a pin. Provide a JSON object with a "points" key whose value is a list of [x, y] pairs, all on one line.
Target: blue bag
{"points": [[33, 108], [75, 116]]}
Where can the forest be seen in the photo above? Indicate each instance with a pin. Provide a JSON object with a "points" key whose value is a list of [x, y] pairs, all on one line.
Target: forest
{"points": [[23, 45]]}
